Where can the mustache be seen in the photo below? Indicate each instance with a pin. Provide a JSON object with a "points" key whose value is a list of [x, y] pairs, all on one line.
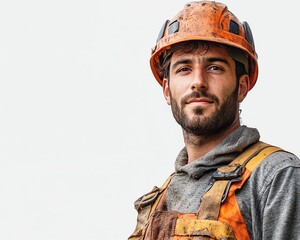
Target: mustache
{"points": [[199, 94]]}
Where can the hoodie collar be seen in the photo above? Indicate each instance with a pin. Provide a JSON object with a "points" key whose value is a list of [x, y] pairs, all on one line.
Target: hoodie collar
{"points": [[222, 154]]}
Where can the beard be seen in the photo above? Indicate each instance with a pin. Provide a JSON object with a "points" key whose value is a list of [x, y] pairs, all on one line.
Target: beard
{"points": [[199, 124]]}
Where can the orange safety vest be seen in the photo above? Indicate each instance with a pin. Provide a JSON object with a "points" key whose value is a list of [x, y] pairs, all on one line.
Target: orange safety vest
{"points": [[218, 217]]}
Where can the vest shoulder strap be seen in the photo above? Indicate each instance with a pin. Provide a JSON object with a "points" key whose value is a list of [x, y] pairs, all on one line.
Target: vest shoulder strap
{"points": [[224, 176], [145, 205], [153, 196], [212, 199]]}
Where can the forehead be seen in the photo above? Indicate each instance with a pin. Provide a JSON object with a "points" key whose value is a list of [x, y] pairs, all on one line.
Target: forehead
{"points": [[201, 50]]}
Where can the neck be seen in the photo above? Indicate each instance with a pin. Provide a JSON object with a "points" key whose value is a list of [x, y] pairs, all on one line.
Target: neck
{"points": [[198, 146]]}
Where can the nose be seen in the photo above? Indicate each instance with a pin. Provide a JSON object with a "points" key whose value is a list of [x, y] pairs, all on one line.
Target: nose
{"points": [[199, 80]]}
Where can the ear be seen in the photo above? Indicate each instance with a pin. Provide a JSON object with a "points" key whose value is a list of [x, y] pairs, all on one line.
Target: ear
{"points": [[166, 90], [243, 87]]}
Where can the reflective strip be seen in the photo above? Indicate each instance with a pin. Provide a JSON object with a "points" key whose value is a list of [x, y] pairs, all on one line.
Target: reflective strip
{"points": [[197, 227]]}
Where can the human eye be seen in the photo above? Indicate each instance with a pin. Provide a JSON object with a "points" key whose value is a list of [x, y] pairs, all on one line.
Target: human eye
{"points": [[215, 68], [183, 70]]}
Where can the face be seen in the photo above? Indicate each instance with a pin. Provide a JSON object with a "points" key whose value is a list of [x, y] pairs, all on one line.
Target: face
{"points": [[203, 91]]}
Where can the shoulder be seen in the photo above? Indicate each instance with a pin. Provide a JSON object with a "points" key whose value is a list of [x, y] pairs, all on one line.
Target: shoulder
{"points": [[277, 162], [273, 190], [279, 168]]}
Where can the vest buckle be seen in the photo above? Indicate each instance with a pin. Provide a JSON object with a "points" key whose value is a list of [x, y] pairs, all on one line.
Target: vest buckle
{"points": [[228, 172]]}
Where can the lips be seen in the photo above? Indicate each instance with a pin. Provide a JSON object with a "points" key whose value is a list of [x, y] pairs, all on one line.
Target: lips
{"points": [[199, 100], [201, 97]]}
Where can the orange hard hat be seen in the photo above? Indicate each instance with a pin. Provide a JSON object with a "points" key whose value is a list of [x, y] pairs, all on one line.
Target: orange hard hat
{"points": [[206, 21]]}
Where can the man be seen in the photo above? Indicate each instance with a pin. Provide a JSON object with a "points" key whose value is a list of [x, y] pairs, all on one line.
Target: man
{"points": [[227, 183]]}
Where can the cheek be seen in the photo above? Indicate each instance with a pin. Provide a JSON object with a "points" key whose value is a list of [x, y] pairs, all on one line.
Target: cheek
{"points": [[224, 92], [230, 94], [228, 88], [176, 93], [179, 87]]}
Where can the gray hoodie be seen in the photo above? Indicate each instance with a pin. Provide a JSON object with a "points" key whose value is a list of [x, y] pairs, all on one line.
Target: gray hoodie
{"points": [[269, 200]]}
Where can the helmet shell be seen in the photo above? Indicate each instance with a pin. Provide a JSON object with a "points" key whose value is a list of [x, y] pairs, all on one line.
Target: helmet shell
{"points": [[205, 21]]}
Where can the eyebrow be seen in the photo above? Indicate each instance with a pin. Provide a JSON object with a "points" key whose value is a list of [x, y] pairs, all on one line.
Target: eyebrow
{"points": [[189, 61], [183, 61]]}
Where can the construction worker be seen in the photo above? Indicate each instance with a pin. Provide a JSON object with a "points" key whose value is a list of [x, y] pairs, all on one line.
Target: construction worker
{"points": [[227, 184]]}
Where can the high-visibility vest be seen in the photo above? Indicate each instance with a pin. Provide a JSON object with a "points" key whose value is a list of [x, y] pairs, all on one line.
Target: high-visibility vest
{"points": [[218, 217]]}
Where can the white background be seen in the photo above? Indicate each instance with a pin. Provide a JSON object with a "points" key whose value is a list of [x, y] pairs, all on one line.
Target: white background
{"points": [[84, 128]]}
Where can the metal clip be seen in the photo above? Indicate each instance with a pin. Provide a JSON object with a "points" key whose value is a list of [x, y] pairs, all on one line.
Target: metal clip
{"points": [[147, 199], [228, 187], [224, 175]]}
